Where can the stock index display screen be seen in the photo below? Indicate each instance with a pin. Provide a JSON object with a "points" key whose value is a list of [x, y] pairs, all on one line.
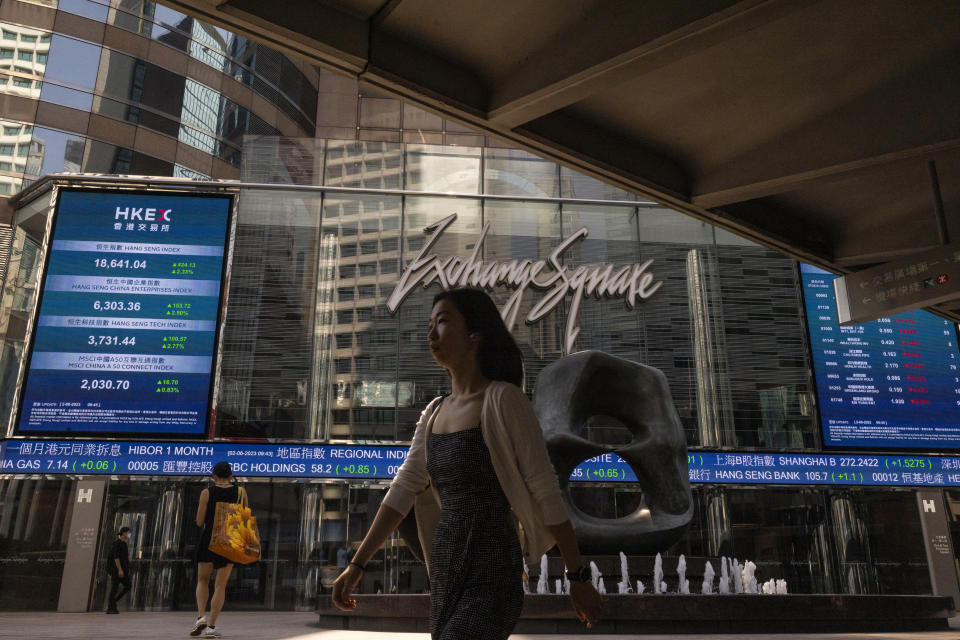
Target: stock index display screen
{"points": [[126, 332], [376, 462], [890, 383]]}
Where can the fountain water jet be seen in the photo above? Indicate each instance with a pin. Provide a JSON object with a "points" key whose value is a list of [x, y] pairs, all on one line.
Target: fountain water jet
{"points": [[707, 587], [658, 575], [542, 584], [737, 572], [684, 584], [624, 585], [595, 576], [749, 577]]}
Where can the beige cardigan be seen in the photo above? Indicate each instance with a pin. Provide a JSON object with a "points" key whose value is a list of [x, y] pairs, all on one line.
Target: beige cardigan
{"points": [[512, 434]]}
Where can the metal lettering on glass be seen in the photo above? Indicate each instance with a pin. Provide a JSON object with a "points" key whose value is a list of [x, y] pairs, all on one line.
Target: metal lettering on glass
{"points": [[630, 282]]}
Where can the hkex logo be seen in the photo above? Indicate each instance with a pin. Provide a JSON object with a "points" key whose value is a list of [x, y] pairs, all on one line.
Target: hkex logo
{"points": [[145, 214]]}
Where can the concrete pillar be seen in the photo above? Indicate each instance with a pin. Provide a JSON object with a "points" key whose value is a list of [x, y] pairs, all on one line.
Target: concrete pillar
{"points": [[934, 521], [75, 586]]}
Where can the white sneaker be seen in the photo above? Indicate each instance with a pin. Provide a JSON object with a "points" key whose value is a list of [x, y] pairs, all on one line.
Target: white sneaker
{"points": [[211, 632], [199, 626]]}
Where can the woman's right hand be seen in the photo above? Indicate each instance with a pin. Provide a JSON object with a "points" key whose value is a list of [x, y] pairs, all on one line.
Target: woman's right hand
{"points": [[343, 587]]}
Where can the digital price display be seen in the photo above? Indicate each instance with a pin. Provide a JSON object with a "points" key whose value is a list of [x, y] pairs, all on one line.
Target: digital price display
{"points": [[382, 462], [190, 459], [127, 327], [889, 383]]}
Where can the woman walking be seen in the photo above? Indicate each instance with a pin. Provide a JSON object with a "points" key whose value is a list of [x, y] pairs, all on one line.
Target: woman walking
{"points": [[479, 473], [223, 489]]}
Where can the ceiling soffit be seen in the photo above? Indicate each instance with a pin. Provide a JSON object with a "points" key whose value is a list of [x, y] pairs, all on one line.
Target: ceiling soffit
{"points": [[806, 126]]}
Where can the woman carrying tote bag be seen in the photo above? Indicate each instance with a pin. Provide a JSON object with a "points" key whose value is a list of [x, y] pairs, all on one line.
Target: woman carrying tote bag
{"points": [[225, 493]]}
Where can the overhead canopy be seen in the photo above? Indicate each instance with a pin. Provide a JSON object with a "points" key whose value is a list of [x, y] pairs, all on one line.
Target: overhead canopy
{"points": [[806, 126]]}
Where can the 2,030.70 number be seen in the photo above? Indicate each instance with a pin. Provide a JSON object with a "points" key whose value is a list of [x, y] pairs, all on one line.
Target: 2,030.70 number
{"points": [[121, 385]]}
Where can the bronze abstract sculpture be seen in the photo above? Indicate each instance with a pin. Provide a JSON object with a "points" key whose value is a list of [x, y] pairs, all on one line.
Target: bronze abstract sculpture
{"points": [[591, 384]]}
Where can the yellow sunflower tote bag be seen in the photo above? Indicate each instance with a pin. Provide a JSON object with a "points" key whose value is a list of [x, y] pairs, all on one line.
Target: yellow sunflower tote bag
{"points": [[235, 535]]}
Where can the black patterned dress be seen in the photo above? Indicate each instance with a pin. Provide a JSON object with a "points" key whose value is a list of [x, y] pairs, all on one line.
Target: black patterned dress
{"points": [[475, 563]]}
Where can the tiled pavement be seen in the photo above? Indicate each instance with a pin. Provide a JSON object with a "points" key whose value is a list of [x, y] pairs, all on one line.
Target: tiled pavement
{"points": [[303, 626]]}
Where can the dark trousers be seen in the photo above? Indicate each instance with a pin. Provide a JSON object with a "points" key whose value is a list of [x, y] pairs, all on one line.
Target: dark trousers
{"points": [[115, 582]]}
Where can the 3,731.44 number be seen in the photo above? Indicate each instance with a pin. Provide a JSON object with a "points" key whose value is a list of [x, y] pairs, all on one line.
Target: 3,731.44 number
{"points": [[112, 340]]}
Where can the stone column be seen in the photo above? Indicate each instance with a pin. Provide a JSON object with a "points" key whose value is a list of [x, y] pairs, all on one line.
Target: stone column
{"points": [[81, 555]]}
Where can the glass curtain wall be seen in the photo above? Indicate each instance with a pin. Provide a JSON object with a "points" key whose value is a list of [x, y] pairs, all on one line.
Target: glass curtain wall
{"points": [[34, 530], [19, 298], [71, 72], [819, 541], [314, 354]]}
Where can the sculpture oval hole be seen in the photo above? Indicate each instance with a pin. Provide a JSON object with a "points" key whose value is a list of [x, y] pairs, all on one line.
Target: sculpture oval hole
{"points": [[606, 502], [606, 430]]}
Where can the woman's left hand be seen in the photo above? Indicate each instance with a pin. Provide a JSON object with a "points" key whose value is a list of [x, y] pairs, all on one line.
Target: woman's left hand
{"points": [[586, 602]]}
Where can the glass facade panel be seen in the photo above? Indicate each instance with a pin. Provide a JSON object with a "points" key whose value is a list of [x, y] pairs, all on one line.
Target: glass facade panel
{"points": [[86, 8], [678, 334], [55, 151], [577, 185], [73, 63], [608, 325], [362, 393], [19, 293], [201, 111], [184, 172], [440, 169], [519, 173], [372, 165], [527, 230], [268, 339], [132, 15], [196, 114], [170, 27], [780, 531], [418, 369], [66, 97], [209, 45], [107, 158], [28, 48], [15, 136], [414, 118], [770, 394], [34, 531]]}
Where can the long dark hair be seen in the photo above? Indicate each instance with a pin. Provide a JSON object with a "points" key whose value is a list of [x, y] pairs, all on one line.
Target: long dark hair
{"points": [[498, 353]]}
